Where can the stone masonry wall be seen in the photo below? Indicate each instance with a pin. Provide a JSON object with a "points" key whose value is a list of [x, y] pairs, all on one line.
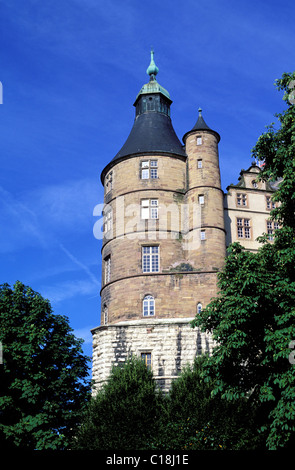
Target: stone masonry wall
{"points": [[171, 342]]}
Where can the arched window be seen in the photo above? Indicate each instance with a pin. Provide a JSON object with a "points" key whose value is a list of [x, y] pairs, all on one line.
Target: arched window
{"points": [[254, 184], [199, 307], [148, 306]]}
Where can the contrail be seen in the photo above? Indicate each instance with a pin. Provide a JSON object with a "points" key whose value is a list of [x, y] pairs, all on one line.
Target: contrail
{"points": [[81, 265]]}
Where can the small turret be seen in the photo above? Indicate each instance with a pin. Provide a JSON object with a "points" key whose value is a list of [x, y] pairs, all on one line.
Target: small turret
{"points": [[205, 194]]}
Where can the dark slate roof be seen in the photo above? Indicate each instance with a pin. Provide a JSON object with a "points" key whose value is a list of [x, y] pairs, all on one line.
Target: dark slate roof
{"points": [[151, 132], [202, 126]]}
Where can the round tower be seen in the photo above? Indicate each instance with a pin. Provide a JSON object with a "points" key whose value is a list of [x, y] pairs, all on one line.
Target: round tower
{"points": [[157, 272], [204, 197], [146, 176]]}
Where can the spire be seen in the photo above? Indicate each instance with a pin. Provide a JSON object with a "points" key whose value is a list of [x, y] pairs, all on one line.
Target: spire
{"points": [[153, 86], [152, 69], [152, 132], [202, 126]]}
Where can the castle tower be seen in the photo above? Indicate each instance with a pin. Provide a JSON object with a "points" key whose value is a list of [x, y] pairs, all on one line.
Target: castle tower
{"points": [[164, 241], [205, 196]]}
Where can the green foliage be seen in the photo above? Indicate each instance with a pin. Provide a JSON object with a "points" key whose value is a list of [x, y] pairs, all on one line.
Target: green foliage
{"points": [[196, 420], [252, 319], [43, 378], [130, 413], [125, 413]]}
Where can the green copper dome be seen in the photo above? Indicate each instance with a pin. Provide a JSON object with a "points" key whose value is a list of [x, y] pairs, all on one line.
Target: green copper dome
{"points": [[152, 68], [152, 86]]}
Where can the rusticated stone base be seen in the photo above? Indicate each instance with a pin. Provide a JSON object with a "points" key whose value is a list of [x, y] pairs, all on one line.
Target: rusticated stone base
{"points": [[171, 342]]}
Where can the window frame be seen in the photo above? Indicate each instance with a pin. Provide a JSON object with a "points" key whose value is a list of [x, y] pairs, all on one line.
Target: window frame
{"points": [[107, 269], [108, 220], [146, 357], [268, 201], [243, 228], [243, 198], [271, 230], [151, 307], [109, 181], [149, 168], [149, 208], [105, 314], [254, 184], [149, 256]]}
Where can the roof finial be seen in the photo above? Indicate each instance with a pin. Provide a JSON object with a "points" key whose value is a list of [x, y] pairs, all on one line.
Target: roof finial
{"points": [[152, 69], [200, 111]]}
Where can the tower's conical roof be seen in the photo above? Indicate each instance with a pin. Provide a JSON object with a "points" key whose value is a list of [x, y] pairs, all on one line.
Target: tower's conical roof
{"points": [[152, 131], [202, 126]]}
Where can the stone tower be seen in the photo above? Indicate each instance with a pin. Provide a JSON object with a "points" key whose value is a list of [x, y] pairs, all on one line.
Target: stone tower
{"points": [[164, 241]]}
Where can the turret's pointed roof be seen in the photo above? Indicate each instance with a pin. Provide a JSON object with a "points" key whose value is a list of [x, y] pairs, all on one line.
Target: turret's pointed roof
{"points": [[152, 131], [202, 126]]}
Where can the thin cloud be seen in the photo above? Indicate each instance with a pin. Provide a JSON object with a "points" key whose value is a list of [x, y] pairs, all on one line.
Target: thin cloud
{"points": [[46, 214], [68, 289], [19, 225], [85, 334], [81, 265]]}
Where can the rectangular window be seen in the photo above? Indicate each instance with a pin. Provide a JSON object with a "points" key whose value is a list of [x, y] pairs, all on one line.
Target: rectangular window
{"points": [[200, 163], [203, 235], [269, 204], [107, 269], [201, 199], [271, 227], [244, 228], [146, 357], [241, 199], [149, 208], [109, 181], [154, 170], [149, 169], [199, 140], [105, 314], [108, 221], [150, 259]]}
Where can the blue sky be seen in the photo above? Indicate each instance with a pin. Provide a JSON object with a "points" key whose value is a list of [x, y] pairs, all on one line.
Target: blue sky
{"points": [[70, 72]]}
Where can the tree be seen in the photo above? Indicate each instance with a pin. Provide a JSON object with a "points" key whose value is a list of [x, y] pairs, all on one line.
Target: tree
{"points": [[252, 318], [194, 420], [125, 412], [44, 376]]}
